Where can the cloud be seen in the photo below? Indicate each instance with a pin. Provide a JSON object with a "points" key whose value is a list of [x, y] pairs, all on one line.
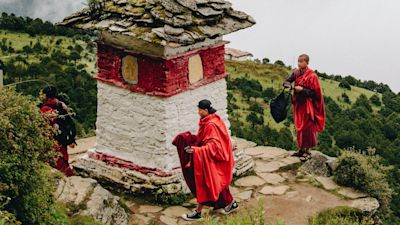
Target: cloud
{"points": [[52, 10]]}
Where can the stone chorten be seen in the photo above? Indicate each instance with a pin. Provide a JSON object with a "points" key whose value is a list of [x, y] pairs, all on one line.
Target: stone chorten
{"points": [[156, 59]]}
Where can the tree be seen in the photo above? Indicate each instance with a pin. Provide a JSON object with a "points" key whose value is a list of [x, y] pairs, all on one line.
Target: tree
{"points": [[363, 102], [256, 108], [35, 69], [59, 41], [346, 98], [27, 49], [351, 80], [74, 56], [265, 60], [375, 100], [348, 139], [279, 62], [268, 94], [38, 47], [344, 84], [254, 119]]}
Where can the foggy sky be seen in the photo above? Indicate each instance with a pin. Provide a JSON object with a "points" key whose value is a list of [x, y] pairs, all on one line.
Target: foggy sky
{"points": [[347, 37]]}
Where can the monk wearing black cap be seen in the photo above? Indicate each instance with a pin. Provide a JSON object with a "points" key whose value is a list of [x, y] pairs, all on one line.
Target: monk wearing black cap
{"points": [[207, 162]]}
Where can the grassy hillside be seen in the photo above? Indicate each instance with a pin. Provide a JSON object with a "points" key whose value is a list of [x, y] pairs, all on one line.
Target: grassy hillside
{"points": [[18, 40], [271, 75], [68, 63], [361, 122]]}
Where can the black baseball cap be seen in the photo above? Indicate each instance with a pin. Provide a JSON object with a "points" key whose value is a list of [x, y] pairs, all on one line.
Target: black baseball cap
{"points": [[206, 104]]}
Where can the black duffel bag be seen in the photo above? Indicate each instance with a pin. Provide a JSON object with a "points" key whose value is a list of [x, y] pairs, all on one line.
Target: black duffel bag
{"points": [[280, 105]]}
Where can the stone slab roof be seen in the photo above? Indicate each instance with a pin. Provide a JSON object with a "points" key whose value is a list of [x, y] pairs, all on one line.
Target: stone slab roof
{"points": [[236, 53], [163, 22]]}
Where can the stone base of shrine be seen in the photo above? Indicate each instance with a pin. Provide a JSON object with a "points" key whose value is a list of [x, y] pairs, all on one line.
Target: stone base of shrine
{"points": [[123, 175]]}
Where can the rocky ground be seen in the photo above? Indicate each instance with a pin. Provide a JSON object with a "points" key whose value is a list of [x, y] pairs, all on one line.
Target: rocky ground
{"points": [[291, 191]]}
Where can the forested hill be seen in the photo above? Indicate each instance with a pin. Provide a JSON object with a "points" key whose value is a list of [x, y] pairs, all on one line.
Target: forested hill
{"points": [[35, 52], [360, 114], [367, 120]]}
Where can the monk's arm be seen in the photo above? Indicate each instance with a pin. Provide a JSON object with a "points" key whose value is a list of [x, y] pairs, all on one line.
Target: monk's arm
{"points": [[290, 80], [212, 145], [307, 93]]}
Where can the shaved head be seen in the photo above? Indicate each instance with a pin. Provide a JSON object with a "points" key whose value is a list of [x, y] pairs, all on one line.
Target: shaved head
{"points": [[305, 57]]}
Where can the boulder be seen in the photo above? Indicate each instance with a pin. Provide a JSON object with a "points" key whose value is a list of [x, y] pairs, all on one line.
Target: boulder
{"points": [[327, 183], [366, 205], [317, 165], [92, 200]]}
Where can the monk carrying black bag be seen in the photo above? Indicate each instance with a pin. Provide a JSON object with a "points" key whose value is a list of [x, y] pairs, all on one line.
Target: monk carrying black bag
{"points": [[280, 105]]}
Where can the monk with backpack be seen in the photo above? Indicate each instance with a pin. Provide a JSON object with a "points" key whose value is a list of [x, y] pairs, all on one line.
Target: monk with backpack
{"points": [[66, 130]]}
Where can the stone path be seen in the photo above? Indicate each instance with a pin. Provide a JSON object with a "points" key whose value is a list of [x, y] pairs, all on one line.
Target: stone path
{"points": [[83, 146], [289, 194]]}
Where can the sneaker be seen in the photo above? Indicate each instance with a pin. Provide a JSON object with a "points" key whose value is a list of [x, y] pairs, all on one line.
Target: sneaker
{"points": [[230, 208], [193, 216]]}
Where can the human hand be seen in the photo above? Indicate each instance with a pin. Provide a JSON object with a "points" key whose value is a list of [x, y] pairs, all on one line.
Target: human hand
{"points": [[298, 88], [287, 85], [73, 145], [189, 150]]}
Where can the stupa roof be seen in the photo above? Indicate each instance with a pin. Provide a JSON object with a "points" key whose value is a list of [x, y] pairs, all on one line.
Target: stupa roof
{"points": [[162, 22]]}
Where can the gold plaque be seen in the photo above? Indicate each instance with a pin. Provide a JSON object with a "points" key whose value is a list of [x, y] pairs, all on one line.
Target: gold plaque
{"points": [[195, 69], [130, 69]]}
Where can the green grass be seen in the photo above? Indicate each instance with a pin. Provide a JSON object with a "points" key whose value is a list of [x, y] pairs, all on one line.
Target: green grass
{"points": [[340, 215], [331, 88], [62, 215], [254, 216], [272, 76], [19, 40]]}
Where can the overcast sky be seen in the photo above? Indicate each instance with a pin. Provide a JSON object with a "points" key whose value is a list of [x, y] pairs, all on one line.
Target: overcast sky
{"points": [[346, 37]]}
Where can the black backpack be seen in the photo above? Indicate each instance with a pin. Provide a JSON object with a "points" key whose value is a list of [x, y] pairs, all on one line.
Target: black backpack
{"points": [[66, 125], [280, 105]]}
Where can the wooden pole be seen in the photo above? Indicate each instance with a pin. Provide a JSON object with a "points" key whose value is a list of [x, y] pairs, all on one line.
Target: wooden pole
{"points": [[1, 79]]}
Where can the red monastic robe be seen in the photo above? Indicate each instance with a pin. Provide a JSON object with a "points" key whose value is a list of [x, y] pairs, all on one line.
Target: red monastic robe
{"points": [[62, 163], [309, 113], [211, 163]]}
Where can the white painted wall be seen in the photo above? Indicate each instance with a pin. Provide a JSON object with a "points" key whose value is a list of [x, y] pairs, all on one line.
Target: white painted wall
{"points": [[140, 128]]}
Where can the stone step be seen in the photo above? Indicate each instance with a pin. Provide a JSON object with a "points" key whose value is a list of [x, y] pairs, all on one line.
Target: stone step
{"points": [[274, 190], [250, 181]]}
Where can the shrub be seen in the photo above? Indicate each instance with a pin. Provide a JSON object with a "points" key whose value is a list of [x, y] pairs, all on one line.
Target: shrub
{"points": [[365, 173], [375, 100], [256, 108], [363, 102], [339, 215], [24, 147], [344, 84], [7, 218], [254, 119], [268, 94], [346, 98], [279, 62]]}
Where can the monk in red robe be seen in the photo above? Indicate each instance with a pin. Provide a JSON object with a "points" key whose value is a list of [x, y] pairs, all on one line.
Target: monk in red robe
{"points": [[49, 105], [207, 162], [309, 107]]}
